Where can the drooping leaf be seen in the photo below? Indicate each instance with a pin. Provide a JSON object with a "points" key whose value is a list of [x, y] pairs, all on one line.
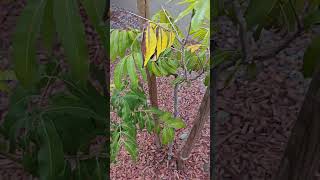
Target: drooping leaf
{"points": [[132, 72], [95, 10], [312, 18], [114, 38], [71, 32], [24, 50], [48, 26], [139, 62], [119, 73], [258, 11], [167, 135], [193, 47], [311, 57], [202, 12], [162, 41], [187, 11], [4, 87], [50, 156], [176, 123], [149, 42]]}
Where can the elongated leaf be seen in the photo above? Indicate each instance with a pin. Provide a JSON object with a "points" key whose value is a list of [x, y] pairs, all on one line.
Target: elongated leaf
{"points": [[139, 62], [187, 11], [162, 41], [149, 43], [114, 38], [50, 156], [202, 11], [131, 67], [167, 135], [71, 32], [7, 75], [4, 87], [48, 26], [119, 73], [176, 123], [95, 10], [311, 57], [312, 18], [131, 147], [258, 11], [24, 52]]}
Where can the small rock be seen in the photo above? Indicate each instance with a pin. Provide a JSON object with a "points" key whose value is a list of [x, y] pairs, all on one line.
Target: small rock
{"points": [[184, 135]]}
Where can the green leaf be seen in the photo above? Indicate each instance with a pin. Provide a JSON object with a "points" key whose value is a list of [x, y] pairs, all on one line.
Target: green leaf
{"points": [[4, 87], [258, 11], [202, 11], [187, 11], [95, 10], [24, 40], [131, 147], [139, 62], [311, 57], [7, 75], [176, 123], [167, 135], [312, 18], [48, 26], [71, 32], [131, 67], [149, 124], [50, 156], [207, 80], [114, 38], [119, 73], [115, 145]]}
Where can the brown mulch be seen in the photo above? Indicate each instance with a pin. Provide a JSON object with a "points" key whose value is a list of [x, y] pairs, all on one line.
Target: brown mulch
{"points": [[260, 113]]}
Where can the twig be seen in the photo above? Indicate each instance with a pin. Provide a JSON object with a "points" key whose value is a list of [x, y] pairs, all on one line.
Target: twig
{"points": [[273, 52], [175, 113], [148, 20], [174, 28]]}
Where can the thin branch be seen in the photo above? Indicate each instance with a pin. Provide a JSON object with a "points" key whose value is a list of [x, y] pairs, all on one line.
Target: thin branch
{"points": [[148, 20], [274, 51], [174, 28], [175, 114]]}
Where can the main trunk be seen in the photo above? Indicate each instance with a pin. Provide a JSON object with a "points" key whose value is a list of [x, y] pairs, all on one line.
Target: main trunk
{"points": [[144, 11], [202, 116], [301, 158]]}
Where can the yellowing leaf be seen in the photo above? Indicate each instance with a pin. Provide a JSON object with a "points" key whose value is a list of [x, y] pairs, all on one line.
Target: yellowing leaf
{"points": [[149, 42], [194, 47], [172, 36], [162, 41]]}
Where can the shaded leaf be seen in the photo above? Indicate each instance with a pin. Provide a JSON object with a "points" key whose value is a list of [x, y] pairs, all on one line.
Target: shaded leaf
{"points": [[311, 57], [24, 50], [50, 156], [71, 32]]}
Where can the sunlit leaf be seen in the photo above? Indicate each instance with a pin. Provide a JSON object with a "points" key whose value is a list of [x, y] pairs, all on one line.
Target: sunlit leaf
{"points": [[162, 41], [149, 42]]}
